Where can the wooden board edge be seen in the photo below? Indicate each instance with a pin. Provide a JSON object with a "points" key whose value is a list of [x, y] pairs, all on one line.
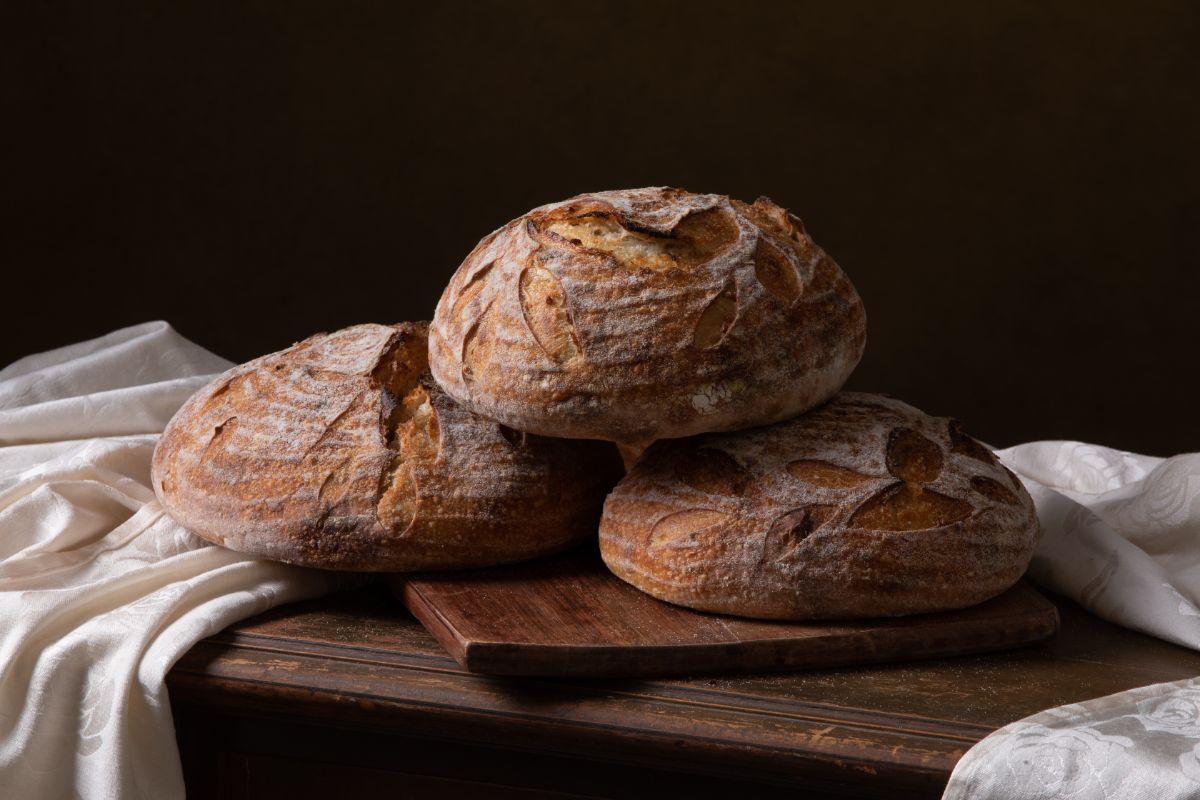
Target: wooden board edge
{"points": [[432, 620], [766, 655], [758, 655]]}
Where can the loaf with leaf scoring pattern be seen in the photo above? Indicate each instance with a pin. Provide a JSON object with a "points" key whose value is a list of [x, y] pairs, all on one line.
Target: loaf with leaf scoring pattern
{"points": [[646, 313], [864, 507], [341, 452]]}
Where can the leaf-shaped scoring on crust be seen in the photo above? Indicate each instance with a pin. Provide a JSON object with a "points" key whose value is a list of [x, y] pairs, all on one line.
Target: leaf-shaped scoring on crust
{"points": [[774, 219], [701, 235], [214, 450], [789, 530], [994, 490], [697, 238], [411, 429], [398, 500], [477, 346], [604, 233], [713, 471], [716, 319], [418, 426], [544, 304], [333, 486], [964, 445], [905, 507], [674, 528], [827, 475], [913, 458], [776, 273], [471, 289]]}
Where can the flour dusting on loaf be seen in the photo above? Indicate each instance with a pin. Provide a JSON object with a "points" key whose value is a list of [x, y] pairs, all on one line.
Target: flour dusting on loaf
{"points": [[863, 507], [342, 452], [647, 313]]}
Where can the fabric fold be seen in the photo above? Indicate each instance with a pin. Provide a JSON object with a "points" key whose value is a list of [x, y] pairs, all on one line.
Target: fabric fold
{"points": [[130, 381], [100, 591], [1120, 536]]}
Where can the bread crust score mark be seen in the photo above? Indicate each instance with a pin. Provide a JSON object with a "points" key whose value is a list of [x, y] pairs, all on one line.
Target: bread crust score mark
{"points": [[643, 314], [863, 507], [341, 452]]}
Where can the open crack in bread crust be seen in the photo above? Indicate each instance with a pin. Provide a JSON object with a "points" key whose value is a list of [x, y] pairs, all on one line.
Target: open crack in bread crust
{"points": [[864, 507], [648, 313], [342, 452]]}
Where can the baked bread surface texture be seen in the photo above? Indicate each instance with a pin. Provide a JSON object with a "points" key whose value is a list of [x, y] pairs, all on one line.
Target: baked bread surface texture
{"points": [[341, 452], [647, 313], [865, 507]]}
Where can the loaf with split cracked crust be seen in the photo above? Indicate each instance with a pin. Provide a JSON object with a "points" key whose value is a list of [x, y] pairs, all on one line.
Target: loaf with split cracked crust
{"points": [[646, 313], [865, 507], [341, 452]]}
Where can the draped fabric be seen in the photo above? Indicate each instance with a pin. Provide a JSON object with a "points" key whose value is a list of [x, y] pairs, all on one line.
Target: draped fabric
{"points": [[100, 591], [1121, 536]]}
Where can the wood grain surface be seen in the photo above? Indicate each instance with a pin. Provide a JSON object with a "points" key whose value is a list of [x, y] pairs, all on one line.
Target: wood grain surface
{"points": [[350, 691], [570, 616]]}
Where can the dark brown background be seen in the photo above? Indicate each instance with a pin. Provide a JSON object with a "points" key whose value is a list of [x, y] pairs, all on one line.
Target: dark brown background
{"points": [[1014, 189]]}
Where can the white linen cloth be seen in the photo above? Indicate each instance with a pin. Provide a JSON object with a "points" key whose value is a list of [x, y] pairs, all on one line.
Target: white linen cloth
{"points": [[100, 591], [1121, 536]]}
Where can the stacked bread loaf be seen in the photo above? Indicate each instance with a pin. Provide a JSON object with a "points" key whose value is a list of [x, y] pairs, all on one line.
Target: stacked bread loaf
{"points": [[341, 452], [714, 328]]}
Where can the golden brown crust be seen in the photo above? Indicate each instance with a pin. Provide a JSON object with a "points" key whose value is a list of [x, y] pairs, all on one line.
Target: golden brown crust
{"points": [[864, 507], [341, 452], [648, 313]]}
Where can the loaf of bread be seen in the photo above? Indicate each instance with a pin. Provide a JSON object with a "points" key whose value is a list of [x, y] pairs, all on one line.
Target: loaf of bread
{"points": [[647, 313], [864, 507], [341, 452]]}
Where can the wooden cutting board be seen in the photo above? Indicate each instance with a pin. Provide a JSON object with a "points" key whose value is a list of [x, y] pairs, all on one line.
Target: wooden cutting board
{"points": [[568, 615]]}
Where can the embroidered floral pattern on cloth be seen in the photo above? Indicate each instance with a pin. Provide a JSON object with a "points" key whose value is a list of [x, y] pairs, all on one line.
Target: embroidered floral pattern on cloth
{"points": [[100, 592], [1121, 535]]}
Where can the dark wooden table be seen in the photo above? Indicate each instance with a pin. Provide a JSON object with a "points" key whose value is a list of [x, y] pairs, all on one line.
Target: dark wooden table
{"points": [[349, 696]]}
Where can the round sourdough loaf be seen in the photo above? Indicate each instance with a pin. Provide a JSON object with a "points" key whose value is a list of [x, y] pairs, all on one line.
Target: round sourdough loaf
{"points": [[341, 452], [864, 507], [647, 313]]}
